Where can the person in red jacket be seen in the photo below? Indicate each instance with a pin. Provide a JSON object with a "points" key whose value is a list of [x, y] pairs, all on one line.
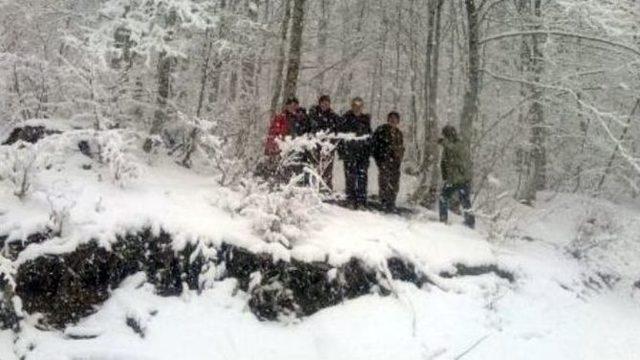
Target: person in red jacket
{"points": [[292, 121], [281, 127]]}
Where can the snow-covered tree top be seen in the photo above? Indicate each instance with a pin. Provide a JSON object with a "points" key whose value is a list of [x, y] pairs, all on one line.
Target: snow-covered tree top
{"points": [[147, 27]]}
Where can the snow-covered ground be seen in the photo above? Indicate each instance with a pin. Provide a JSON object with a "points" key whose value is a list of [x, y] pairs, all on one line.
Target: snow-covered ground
{"points": [[563, 304]]}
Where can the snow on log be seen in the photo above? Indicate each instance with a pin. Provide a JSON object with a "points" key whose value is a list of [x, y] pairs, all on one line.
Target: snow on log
{"points": [[67, 287], [27, 133]]}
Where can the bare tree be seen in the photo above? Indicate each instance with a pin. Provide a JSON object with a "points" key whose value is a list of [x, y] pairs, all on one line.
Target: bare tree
{"points": [[166, 65], [533, 155], [323, 37], [472, 92], [295, 49], [429, 174], [281, 57]]}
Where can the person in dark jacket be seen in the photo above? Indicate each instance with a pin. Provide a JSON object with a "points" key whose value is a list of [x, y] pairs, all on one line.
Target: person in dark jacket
{"points": [[456, 174], [292, 121], [322, 116], [388, 151], [324, 119], [356, 152]]}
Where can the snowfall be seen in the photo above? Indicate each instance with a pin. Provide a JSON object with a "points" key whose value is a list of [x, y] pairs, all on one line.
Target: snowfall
{"points": [[560, 306]]}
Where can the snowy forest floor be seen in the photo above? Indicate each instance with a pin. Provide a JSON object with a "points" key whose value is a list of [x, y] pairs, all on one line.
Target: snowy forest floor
{"points": [[575, 262]]}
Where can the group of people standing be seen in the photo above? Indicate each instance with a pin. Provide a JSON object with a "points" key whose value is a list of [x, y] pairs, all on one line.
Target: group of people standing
{"points": [[356, 143]]}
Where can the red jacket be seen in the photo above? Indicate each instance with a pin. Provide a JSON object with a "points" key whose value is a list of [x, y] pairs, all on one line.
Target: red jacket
{"points": [[280, 127]]}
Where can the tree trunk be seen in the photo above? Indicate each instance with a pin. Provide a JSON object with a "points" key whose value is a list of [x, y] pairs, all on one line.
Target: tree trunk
{"points": [[432, 121], [217, 59], [233, 82], [525, 192], [344, 88], [24, 110], [472, 92], [205, 72], [429, 174], [260, 62], [166, 64], [538, 136], [295, 49], [248, 100], [584, 131], [349, 48], [533, 157], [412, 137], [431, 87], [277, 83], [378, 71], [396, 79], [452, 84], [323, 35], [249, 60], [123, 65]]}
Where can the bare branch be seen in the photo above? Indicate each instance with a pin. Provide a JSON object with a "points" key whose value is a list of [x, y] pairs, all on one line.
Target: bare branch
{"points": [[561, 34], [475, 345]]}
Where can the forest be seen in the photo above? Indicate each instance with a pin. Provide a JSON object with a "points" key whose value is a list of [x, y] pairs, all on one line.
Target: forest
{"points": [[168, 188], [543, 92]]}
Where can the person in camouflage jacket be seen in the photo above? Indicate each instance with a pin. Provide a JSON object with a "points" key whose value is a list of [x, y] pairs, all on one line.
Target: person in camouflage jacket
{"points": [[456, 175]]}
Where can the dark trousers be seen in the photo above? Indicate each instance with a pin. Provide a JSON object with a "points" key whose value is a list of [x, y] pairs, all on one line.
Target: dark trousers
{"points": [[356, 176], [388, 184], [464, 193]]}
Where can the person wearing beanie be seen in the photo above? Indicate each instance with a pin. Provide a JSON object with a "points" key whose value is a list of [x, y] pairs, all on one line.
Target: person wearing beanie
{"points": [[291, 121], [388, 152], [356, 152], [324, 119], [456, 175]]}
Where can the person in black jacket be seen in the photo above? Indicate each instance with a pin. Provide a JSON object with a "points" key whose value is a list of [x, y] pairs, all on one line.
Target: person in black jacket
{"points": [[388, 151], [356, 152], [322, 116], [324, 119]]}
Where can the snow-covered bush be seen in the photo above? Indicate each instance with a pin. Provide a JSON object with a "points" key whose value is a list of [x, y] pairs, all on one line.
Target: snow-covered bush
{"points": [[306, 157], [281, 215], [282, 210], [596, 230], [496, 207], [19, 164], [59, 214], [197, 144], [115, 151]]}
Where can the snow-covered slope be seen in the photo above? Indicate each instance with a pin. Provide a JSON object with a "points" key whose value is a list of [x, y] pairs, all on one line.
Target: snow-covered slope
{"points": [[568, 299]]}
